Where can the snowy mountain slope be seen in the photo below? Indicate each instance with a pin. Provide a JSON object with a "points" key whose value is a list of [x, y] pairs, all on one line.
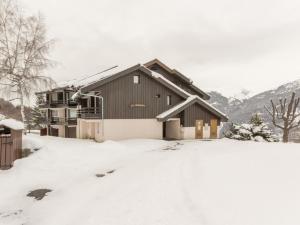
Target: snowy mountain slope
{"points": [[241, 110], [195, 183]]}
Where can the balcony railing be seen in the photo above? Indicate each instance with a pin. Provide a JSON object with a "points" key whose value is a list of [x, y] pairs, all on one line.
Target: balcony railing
{"points": [[89, 113], [70, 103], [57, 102], [59, 121], [71, 121], [43, 103]]}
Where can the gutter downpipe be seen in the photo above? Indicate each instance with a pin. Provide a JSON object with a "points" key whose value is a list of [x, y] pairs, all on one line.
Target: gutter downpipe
{"points": [[102, 108]]}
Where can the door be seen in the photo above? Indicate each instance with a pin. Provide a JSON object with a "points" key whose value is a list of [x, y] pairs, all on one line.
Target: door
{"points": [[71, 132], [214, 129], [54, 132], [199, 129]]}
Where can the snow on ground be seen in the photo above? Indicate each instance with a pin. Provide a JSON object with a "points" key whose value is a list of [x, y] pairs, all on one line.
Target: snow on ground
{"points": [[200, 182]]}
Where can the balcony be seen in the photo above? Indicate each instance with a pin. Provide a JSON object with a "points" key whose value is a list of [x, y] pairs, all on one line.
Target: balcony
{"points": [[72, 103], [43, 104], [71, 121], [62, 121], [89, 113], [57, 121], [55, 103]]}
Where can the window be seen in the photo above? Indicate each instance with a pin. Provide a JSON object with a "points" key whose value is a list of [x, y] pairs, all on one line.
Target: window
{"points": [[72, 113], [54, 97], [157, 96], [136, 79], [169, 100], [54, 113]]}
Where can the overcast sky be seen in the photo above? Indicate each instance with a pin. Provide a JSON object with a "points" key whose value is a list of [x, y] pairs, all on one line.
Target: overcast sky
{"points": [[223, 45]]}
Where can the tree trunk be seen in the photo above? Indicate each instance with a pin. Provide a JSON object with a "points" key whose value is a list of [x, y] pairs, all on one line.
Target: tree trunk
{"points": [[22, 110], [285, 136]]}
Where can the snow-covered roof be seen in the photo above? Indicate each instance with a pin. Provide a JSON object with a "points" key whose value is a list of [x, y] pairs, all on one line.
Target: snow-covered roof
{"points": [[185, 103], [87, 80], [159, 76], [12, 123], [177, 107]]}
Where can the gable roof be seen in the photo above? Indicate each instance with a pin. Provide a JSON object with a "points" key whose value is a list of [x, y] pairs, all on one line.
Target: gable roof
{"points": [[190, 99], [109, 77], [168, 69], [193, 99], [179, 75]]}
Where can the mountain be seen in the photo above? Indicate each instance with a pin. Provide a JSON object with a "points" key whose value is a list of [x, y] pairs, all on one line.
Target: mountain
{"points": [[9, 110], [241, 110]]}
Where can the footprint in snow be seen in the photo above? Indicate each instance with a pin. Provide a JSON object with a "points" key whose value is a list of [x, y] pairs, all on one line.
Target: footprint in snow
{"points": [[111, 171], [39, 194], [12, 213], [100, 175]]}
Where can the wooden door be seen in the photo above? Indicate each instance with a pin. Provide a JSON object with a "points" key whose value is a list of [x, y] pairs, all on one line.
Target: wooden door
{"points": [[43, 131], [199, 129], [54, 132], [214, 129], [71, 132]]}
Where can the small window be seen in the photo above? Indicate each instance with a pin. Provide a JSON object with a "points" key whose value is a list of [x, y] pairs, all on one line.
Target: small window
{"points": [[72, 113], [136, 79], [157, 96], [169, 100], [54, 113]]}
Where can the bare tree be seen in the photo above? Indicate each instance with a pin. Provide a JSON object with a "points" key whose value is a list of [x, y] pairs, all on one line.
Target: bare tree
{"points": [[23, 53], [285, 115]]}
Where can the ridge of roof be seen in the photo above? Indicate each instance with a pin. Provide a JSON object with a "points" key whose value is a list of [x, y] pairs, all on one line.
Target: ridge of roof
{"points": [[168, 69], [180, 75], [189, 99]]}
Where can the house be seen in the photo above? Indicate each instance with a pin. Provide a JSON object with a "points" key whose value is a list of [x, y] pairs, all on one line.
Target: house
{"points": [[142, 101], [59, 111]]}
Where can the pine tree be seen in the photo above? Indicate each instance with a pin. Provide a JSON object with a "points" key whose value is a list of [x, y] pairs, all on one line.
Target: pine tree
{"points": [[256, 130], [36, 119], [256, 120]]}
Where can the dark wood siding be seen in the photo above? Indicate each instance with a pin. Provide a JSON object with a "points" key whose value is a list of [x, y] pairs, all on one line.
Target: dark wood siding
{"points": [[10, 148], [125, 100], [174, 79], [196, 112]]}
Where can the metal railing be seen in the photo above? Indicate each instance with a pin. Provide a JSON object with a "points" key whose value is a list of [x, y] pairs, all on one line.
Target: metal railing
{"points": [[59, 121], [89, 113], [57, 102]]}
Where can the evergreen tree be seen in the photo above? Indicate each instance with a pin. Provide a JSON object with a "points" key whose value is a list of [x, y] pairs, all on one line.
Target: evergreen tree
{"points": [[256, 120], [36, 119], [256, 130]]}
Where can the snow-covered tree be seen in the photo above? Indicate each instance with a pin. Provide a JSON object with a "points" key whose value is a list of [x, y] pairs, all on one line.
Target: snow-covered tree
{"points": [[36, 119], [23, 53], [256, 130]]}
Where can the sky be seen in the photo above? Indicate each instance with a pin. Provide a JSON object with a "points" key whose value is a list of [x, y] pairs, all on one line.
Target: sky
{"points": [[222, 45]]}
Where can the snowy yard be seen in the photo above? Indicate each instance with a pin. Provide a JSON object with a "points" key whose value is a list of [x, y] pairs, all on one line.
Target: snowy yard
{"points": [[139, 182]]}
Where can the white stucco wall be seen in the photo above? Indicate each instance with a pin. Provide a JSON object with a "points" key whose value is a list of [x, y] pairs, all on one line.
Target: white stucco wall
{"points": [[119, 129], [189, 132]]}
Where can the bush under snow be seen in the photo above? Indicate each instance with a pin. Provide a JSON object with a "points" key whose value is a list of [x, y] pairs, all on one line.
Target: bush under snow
{"points": [[256, 130]]}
